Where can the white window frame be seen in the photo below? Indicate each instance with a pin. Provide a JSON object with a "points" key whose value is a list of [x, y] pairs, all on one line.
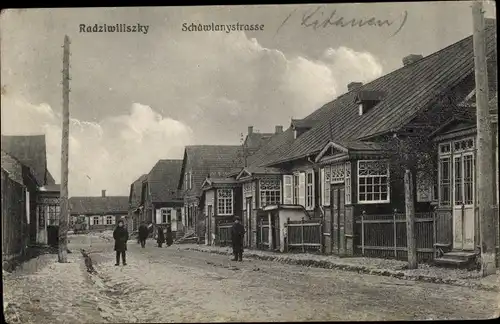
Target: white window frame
{"points": [[366, 202], [287, 189], [264, 192], [94, 218], [164, 212], [309, 190], [112, 218], [326, 183], [225, 212], [348, 184]]}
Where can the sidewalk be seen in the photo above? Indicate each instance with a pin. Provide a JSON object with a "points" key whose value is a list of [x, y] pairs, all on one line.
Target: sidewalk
{"points": [[373, 266]]}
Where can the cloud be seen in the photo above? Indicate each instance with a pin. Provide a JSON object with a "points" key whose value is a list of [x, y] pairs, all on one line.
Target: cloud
{"points": [[194, 88], [112, 152]]}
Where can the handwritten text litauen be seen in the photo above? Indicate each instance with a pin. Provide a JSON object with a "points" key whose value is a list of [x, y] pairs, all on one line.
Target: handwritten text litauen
{"points": [[318, 18]]}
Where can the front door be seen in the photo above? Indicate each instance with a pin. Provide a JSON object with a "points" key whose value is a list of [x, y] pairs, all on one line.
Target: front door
{"points": [[338, 215], [248, 221], [463, 201]]}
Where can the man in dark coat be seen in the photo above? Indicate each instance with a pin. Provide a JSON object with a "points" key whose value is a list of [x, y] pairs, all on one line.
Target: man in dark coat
{"points": [[143, 234], [120, 235], [160, 236], [237, 235], [169, 236]]}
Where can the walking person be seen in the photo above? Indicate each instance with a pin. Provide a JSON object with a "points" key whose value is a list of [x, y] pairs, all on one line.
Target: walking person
{"points": [[160, 236], [120, 235], [237, 236], [168, 236], [143, 234]]}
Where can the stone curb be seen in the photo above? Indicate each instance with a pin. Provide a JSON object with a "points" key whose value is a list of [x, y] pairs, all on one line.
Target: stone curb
{"points": [[357, 268]]}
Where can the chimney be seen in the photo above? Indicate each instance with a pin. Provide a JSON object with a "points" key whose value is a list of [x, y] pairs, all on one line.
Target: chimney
{"points": [[278, 129], [354, 85], [103, 193], [412, 58], [250, 130]]}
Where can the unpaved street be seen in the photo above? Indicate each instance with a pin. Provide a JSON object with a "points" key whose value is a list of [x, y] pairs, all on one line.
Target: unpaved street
{"points": [[168, 285]]}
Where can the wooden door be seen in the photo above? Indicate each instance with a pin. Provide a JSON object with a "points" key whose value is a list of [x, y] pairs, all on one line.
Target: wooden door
{"points": [[338, 217], [248, 221], [463, 201]]}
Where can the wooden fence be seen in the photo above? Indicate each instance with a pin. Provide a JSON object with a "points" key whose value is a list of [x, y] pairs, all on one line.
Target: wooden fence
{"points": [[303, 235], [15, 234], [384, 236]]}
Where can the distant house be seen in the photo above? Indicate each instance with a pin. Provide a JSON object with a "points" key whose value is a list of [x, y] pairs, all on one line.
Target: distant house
{"points": [[200, 162], [44, 208], [161, 201], [135, 201], [102, 212]]}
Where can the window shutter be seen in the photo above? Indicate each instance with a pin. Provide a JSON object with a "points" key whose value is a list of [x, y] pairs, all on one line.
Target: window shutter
{"points": [[158, 216], [28, 206], [313, 200], [302, 189], [322, 186], [113, 220], [287, 190]]}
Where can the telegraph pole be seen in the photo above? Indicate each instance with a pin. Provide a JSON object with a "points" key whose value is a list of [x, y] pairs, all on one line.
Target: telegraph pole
{"points": [[63, 217], [485, 156]]}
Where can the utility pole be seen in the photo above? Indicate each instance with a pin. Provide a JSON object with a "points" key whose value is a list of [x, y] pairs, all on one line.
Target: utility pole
{"points": [[485, 170], [410, 221], [63, 217]]}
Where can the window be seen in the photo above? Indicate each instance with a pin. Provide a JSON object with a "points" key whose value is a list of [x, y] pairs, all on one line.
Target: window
{"points": [[468, 179], [224, 201], [458, 180], [288, 189], [445, 181], [463, 145], [296, 188], [110, 220], [270, 192], [53, 212], [41, 216], [166, 215], [95, 220], [337, 173], [373, 182], [310, 189], [190, 180], [348, 188]]}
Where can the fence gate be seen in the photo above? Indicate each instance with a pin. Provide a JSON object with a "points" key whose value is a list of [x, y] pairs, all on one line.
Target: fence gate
{"points": [[304, 235]]}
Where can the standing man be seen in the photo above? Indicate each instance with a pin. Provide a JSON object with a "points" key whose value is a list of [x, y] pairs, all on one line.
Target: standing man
{"points": [[169, 237], [143, 234], [120, 235], [237, 236], [160, 237]]}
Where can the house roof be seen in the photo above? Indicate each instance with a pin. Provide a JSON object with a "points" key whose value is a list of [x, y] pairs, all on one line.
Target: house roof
{"points": [[31, 151], [98, 205], [210, 160], [13, 167], [408, 91], [163, 179], [136, 190]]}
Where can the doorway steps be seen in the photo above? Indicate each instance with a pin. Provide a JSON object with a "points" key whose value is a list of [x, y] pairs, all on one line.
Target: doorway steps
{"points": [[457, 259]]}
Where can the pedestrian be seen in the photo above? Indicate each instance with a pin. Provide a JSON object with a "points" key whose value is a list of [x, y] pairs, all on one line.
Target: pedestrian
{"points": [[237, 236], [160, 237], [168, 235], [120, 235], [143, 234]]}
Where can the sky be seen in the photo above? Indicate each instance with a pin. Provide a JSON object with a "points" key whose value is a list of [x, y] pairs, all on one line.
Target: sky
{"points": [[139, 97]]}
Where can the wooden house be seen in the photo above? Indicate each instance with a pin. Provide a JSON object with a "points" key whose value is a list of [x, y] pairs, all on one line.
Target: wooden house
{"points": [[136, 206], [102, 213], [338, 162], [42, 192], [160, 198]]}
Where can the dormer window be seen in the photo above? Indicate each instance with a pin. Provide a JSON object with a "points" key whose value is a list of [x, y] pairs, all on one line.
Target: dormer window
{"points": [[367, 99], [299, 127]]}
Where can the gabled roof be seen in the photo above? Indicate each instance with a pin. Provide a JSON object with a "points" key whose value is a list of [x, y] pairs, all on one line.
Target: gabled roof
{"points": [[31, 151], [98, 205], [163, 179], [409, 90], [210, 160], [13, 167], [213, 182], [136, 190]]}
